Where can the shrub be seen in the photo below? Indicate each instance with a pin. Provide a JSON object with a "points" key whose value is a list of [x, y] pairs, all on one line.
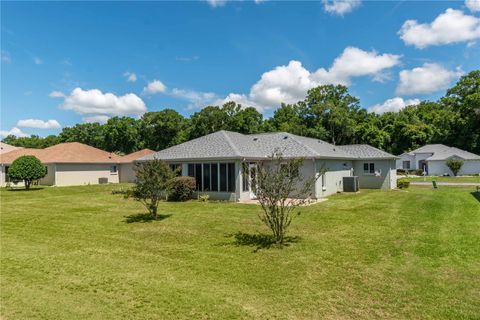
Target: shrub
{"points": [[419, 172], [403, 184], [455, 165], [402, 172], [28, 169], [181, 188], [204, 197]]}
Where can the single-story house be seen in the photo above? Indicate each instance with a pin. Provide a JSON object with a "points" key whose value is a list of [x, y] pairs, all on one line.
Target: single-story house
{"points": [[127, 172], [217, 162], [74, 163], [432, 159]]}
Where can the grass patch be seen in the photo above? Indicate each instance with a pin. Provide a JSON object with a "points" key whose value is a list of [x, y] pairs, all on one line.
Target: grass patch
{"points": [[69, 253], [443, 179]]}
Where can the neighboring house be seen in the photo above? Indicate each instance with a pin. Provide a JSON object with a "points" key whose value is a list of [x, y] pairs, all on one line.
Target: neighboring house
{"points": [[217, 162], [432, 158], [4, 148], [127, 172], [71, 163]]}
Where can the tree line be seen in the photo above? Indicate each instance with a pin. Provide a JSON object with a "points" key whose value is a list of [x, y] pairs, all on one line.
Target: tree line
{"points": [[328, 112]]}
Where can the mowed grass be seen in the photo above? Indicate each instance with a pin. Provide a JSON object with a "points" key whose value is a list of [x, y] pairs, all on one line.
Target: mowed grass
{"points": [[82, 253], [474, 179]]}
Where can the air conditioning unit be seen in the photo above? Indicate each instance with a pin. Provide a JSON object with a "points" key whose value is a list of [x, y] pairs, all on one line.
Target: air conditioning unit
{"points": [[102, 180], [350, 184]]}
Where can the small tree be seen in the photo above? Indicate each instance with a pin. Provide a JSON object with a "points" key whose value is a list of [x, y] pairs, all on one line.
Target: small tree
{"points": [[28, 169], [455, 165], [280, 189], [151, 184]]}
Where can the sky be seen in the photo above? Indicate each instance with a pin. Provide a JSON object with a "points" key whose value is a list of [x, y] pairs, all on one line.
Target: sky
{"points": [[64, 63]]}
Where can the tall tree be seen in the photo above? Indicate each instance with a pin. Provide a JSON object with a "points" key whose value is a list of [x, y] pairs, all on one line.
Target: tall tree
{"points": [[122, 135], [91, 134], [162, 129]]}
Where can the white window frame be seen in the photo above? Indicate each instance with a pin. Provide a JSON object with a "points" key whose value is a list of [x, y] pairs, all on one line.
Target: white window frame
{"points": [[369, 172]]}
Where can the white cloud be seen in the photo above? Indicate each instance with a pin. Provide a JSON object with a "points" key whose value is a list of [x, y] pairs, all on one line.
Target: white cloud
{"points": [[452, 26], [473, 5], [39, 124], [195, 98], [340, 7], [431, 77], [217, 3], [290, 83], [100, 119], [131, 77], [37, 60], [187, 59], [156, 86], [56, 94], [393, 105], [94, 103], [14, 131], [5, 56]]}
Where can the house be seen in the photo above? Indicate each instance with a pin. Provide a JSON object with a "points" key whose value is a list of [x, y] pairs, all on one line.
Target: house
{"points": [[127, 173], [73, 163], [4, 148], [218, 162], [432, 158]]}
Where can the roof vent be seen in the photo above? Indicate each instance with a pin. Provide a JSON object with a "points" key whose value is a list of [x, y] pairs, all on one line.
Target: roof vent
{"points": [[255, 139], [285, 137]]}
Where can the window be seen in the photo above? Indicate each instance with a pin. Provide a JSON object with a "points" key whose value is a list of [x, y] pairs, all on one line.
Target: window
{"points": [[406, 164], [231, 177], [7, 179], [324, 182], [369, 168], [206, 177], [113, 169], [223, 177], [46, 170], [214, 176]]}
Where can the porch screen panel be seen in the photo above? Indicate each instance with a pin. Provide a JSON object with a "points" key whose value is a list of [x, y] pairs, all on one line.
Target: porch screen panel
{"points": [[191, 170], [206, 177], [231, 177], [223, 177], [214, 176], [198, 175]]}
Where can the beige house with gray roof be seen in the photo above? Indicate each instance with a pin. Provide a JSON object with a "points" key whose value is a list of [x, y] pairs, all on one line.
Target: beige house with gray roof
{"points": [[218, 162]]}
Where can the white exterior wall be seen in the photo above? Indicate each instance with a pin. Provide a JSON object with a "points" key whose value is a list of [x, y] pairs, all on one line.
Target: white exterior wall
{"points": [[406, 157], [386, 180], [82, 174], [332, 180], [127, 174], [2, 175], [438, 168]]}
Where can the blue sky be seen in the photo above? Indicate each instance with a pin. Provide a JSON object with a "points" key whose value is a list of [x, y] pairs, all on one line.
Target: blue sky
{"points": [[66, 63]]}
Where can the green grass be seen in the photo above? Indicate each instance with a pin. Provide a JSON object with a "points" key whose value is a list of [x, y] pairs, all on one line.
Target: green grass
{"points": [[443, 179], [82, 253]]}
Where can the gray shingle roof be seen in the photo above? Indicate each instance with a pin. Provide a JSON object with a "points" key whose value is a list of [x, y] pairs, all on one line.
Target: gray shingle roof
{"points": [[233, 145], [443, 152], [365, 151]]}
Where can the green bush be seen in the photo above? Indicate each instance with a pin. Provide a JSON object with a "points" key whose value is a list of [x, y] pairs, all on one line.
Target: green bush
{"points": [[403, 184], [28, 169], [455, 165], [204, 197], [181, 188]]}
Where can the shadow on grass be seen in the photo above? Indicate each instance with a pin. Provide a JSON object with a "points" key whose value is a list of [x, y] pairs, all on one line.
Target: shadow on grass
{"points": [[145, 217], [23, 189], [476, 195], [260, 241]]}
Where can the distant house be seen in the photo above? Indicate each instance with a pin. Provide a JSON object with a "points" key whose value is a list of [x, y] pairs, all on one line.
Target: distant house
{"points": [[74, 163], [4, 148], [218, 162], [432, 158], [127, 173]]}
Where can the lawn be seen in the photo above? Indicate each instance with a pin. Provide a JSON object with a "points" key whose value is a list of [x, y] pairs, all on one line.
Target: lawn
{"points": [[83, 253], [443, 179]]}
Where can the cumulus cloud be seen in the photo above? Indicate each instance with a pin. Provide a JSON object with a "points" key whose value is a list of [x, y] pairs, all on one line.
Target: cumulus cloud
{"points": [[14, 131], [216, 3], [95, 103], [289, 83], [56, 94], [131, 77], [99, 118], [430, 77], [340, 7], [452, 26], [195, 98], [39, 124], [156, 86], [473, 5], [393, 105]]}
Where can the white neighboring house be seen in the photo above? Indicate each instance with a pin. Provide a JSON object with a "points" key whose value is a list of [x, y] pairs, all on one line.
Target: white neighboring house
{"points": [[432, 158], [217, 162]]}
